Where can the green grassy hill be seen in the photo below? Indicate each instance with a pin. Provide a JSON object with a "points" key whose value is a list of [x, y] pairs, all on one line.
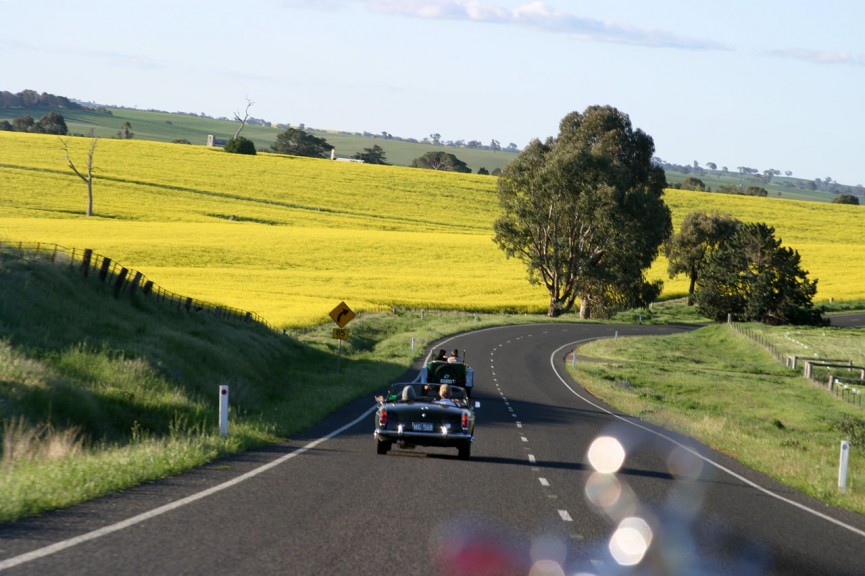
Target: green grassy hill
{"points": [[174, 126], [170, 127]]}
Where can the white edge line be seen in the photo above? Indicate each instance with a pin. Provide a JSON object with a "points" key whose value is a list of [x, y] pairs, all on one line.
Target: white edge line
{"points": [[717, 465], [123, 524]]}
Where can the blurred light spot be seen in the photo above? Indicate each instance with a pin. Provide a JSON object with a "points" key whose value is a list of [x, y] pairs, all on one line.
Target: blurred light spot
{"points": [[606, 455], [631, 541], [546, 568], [684, 464], [549, 548], [603, 490]]}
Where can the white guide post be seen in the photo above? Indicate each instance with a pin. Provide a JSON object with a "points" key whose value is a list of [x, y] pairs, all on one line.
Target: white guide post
{"points": [[223, 410], [842, 467]]}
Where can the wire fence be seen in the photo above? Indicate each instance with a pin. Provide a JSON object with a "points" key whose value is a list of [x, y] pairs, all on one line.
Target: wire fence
{"points": [[759, 339], [839, 375], [127, 282]]}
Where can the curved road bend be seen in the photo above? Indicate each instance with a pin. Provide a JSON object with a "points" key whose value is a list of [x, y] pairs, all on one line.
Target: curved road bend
{"points": [[325, 503]]}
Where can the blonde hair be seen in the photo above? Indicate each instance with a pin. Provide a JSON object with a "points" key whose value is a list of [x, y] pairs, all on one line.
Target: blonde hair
{"points": [[444, 390]]}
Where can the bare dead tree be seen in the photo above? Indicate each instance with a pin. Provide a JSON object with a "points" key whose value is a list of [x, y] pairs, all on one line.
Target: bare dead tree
{"points": [[249, 104], [88, 178]]}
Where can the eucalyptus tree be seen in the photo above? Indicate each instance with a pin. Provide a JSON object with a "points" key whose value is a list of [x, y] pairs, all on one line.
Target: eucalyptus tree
{"points": [[439, 160], [756, 279], [298, 143], [584, 212], [374, 155], [699, 234]]}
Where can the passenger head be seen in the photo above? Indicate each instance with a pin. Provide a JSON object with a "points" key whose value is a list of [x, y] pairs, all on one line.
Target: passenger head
{"points": [[444, 391], [408, 394]]}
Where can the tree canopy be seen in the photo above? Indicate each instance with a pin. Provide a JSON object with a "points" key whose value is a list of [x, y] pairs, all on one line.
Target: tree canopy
{"points": [[698, 236], [584, 212], [845, 199], [374, 155], [299, 143], [441, 161], [33, 99], [51, 123], [240, 145], [754, 278]]}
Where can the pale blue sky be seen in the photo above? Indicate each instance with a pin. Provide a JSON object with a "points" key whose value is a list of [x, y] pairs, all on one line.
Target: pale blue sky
{"points": [[766, 84]]}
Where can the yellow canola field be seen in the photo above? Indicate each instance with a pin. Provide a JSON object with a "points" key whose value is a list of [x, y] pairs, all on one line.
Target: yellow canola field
{"points": [[290, 237]]}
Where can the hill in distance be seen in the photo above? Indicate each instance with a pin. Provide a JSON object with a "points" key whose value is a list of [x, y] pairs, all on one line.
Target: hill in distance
{"points": [[106, 122]]}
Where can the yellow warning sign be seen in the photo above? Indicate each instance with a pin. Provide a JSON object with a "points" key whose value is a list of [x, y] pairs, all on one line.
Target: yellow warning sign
{"points": [[342, 315]]}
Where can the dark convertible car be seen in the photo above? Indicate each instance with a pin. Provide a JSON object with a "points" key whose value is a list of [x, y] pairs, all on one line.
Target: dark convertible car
{"points": [[421, 414], [439, 371]]}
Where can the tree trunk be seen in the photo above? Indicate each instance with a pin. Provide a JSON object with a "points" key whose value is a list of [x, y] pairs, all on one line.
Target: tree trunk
{"points": [[585, 311], [90, 196], [691, 289]]}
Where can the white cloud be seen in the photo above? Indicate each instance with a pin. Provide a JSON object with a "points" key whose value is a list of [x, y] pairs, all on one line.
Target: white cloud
{"points": [[818, 57], [539, 16]]}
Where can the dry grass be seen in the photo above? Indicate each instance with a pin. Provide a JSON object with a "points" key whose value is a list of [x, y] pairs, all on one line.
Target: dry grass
{"points": [[24, 441]]}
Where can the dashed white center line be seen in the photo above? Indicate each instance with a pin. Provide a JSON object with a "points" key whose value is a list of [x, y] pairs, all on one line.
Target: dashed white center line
{"points": [[565, 516], [544, 482], [532, 459], [524, 439]]}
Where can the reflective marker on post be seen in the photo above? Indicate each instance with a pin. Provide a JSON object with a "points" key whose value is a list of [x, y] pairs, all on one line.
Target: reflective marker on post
{"points": [[223, 410], [842, 467]]}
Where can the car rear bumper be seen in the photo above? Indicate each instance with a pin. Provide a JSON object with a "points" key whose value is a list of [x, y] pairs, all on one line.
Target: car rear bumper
{"points": [[424, 438]]}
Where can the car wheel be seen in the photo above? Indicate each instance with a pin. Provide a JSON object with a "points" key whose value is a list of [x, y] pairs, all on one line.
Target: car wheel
{"points": [[382, 447], [465, 451]]}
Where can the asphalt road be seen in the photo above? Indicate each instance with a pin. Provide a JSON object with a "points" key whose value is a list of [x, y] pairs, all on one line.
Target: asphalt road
{"points": [[557, 484]]}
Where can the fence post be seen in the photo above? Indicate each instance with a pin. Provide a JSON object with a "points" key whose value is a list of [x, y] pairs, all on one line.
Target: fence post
{"points": [[136, 281], [85, 261], [118, 284], [103, 270]]}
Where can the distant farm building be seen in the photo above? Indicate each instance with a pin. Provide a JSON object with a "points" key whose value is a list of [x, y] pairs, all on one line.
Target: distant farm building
{"points": [[333, 157]]}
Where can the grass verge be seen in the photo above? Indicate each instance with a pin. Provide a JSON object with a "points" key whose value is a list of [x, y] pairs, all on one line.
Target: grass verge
{"points": [[98, 395], [715, 385]]}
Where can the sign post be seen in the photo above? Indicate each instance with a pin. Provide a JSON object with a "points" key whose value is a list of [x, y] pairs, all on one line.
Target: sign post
{"points": [[342, 315]]}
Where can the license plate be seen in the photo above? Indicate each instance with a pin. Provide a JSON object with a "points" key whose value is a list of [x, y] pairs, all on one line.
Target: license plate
{"points": [[422, 426]]}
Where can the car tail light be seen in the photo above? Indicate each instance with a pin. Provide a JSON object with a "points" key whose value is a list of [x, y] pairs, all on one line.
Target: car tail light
{"points": [[465, 422], [382, 417]]}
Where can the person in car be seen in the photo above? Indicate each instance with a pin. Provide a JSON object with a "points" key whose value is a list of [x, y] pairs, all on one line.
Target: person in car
{"points": [[442, 356], [445, 394], [454, 357]]}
